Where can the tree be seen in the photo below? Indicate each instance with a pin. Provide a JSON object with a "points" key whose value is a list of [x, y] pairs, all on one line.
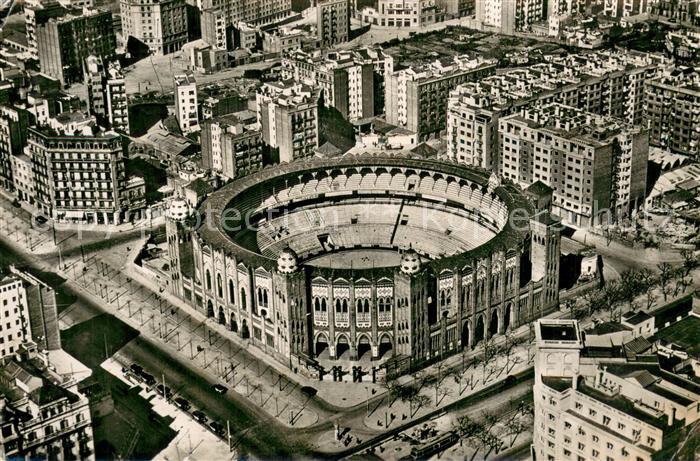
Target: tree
{"points": [[665, 277], [648, 282], [690, 261], [417, 401]]}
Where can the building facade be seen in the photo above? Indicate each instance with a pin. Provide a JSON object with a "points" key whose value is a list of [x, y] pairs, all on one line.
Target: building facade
{"points": [[43, 415], [402, 13], [161, 25], [605, 406], [333, 21], [672, 110], [351, 81], [596, 165], [13, 136], [605, 83], [288, 118], [509, 16], [416, 98], [425, 306], [230, 147], [186, 105], [107, 94], [15, 315], [81, 177], [65, 42]]}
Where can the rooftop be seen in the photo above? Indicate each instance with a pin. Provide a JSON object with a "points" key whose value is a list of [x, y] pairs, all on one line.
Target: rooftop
{"points": [[684, 334]]}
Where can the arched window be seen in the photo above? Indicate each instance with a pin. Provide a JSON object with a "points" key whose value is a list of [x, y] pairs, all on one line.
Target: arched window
{"points": [[345, 305], [264, 298], [219, 286], [324, 308], [243, 303], [317, 305], [208, 279], [231, 292], [337, 305]]}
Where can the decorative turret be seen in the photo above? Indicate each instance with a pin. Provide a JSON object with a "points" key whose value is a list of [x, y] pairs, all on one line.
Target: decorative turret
{"points": [[410, 262], [494, 182], [178, 210], [287, 261]]}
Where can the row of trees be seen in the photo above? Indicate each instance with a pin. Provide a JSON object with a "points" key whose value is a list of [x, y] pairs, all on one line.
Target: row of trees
{"points": [[668, 280], [493, 432]]}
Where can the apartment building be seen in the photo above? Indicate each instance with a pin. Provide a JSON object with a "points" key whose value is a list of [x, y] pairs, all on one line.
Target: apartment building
{"points": [[186, 109], [682, 11], [626, 8], [596, 165], [402, 13], [81, 177], [161, 24], [38, 13], [107, 93], [606, 83], [65, 42], [416, 98], [43, 414], [219, 18], [594, 402], [673, 111], [351, 81], [232, 145], [288, 116], [13, 136], [456, 8], [333, 21], [509, 16], [14, 315]]}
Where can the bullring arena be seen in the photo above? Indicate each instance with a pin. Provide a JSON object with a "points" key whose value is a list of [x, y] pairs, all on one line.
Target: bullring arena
{"points": [[372, 261]]}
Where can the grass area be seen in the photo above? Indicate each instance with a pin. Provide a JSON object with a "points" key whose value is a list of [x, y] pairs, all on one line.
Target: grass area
{"points": [[684, 333], [154, 176]]}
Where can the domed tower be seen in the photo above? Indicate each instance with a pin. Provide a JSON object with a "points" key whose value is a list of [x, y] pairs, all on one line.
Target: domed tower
{"points": [[410, 262], [178, 228], [287, 261], [290, 281]]}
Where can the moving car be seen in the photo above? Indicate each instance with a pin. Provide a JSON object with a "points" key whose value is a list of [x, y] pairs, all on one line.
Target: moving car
{"points": [[220, 388]]}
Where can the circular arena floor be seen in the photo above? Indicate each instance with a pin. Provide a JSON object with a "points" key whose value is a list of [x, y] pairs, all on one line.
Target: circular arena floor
{"points": [[357, 259]]}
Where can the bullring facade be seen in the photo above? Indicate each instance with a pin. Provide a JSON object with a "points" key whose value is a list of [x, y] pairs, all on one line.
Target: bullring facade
{"points": [[473, 258]]}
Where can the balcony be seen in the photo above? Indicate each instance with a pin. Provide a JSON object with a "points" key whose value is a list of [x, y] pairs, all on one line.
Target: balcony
{"points": [[342, 319]]}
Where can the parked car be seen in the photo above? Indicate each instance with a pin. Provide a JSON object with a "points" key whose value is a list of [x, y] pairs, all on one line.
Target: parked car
{"points": [[149, 379], [136, 369], [220, 389], [164, 391], [183, 404], [217, 428], [40, 219], [199, 415]]}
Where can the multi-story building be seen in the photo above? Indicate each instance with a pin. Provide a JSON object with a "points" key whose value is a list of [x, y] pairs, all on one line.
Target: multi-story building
{"points": [[593, 402], [23, 177], [456, 8], [13, 136], [416, 98], [596, 165], [107, 93], [186, 108], [81, 177], [509, 16], [288, 118], [556, 8], [672, 106], [38, 301], [626, 8], [402, 13], [349, 80], [43, 414], [65, 42], [14, 315], [38, 13], [219, 18], [682, 11], [606, 83], [232, 146], [162, 24], [333, 21]]}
